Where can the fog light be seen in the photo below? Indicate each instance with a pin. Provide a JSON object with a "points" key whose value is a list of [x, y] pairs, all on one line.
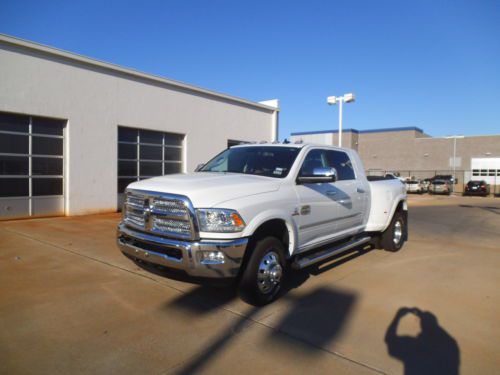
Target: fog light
{"points": [[212, 257]]}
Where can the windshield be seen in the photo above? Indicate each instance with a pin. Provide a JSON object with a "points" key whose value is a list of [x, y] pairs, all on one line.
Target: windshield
{"points": [[263, 161]]}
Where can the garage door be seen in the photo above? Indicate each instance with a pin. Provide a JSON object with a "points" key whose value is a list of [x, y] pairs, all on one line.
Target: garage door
{"points": [[144, 154], [31, 166]]}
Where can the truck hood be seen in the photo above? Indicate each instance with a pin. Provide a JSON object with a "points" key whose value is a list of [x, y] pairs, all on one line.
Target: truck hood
{"points": [[206, 189]]}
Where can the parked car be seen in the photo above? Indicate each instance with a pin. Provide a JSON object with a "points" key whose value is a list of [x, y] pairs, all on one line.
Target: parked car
{"points": [[444, 177], [477, 188], [426, 183], [440, 187], [255, 211], [414, 186]]}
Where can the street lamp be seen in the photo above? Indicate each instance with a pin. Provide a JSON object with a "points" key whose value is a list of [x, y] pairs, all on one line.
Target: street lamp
{"points": [[454, 137], [332, 100]]}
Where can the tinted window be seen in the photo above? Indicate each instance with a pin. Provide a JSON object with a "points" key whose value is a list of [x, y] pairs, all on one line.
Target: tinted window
{"points": [[147, 136], [14, 144], [14, 165], [328, 159], [127, 151], [47, 146], [127, 135], [47, 186], [123, 183], [151, 152], [172, 168], [47, 166], [47, 126], [341, 162], [127, 168], [173, 153], [314, 159], [150, 168], [14, 123], [174, 139], [14, 187], [270, 161]]}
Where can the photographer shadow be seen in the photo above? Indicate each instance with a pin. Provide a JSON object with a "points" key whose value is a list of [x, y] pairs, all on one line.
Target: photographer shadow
{"points": [[432, 351]]}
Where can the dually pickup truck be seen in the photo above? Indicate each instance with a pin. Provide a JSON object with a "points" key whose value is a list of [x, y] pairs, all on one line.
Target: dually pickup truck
{"points": [[255, 212]]}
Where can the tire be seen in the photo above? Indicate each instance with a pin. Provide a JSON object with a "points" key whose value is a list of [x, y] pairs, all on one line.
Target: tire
{"points": [[264, 273], [393, 237]]}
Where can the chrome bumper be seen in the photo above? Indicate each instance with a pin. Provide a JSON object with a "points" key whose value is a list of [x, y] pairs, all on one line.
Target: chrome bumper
{"points": [[183, 255]]}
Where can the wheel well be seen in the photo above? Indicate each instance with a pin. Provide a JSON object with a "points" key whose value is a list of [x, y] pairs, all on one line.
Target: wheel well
{"points": [[275, 228], [403, 208]]}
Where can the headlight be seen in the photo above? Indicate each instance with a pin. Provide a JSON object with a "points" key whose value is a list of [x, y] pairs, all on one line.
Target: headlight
{"points": [[220, 220]]}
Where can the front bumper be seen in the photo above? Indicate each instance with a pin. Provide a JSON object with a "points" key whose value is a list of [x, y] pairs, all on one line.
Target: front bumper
{"points": [[183, 255]]}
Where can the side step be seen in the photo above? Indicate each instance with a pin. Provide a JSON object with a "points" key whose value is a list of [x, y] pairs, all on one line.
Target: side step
{"points": [[307, 260]]}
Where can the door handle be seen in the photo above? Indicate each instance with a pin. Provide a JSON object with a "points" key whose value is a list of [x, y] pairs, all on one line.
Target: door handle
{"points": [[331, 192], [359, 190]]}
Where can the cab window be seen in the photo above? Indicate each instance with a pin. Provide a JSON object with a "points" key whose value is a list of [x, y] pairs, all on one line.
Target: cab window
{"points": [[314, 159], [341, 162]]}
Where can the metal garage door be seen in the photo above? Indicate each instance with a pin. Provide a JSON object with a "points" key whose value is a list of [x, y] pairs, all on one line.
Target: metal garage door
{"points": [[144, 154], [31, 166]]}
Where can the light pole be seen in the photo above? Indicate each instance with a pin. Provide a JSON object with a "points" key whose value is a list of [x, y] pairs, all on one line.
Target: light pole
{"points": [[332, 100], [454, 157]]}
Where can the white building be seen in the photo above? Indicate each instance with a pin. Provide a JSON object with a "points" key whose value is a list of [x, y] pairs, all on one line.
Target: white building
{"points": [[75, 131]]}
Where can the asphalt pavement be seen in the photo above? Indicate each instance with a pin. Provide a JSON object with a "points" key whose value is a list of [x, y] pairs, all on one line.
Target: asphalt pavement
{"points": [[70, 302]]}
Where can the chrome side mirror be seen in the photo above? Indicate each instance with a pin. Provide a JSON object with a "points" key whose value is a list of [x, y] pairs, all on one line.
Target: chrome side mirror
{"points": [[319, 175]]}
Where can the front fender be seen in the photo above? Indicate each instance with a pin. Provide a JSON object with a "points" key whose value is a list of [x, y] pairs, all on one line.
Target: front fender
{"points": [[275, 214]]}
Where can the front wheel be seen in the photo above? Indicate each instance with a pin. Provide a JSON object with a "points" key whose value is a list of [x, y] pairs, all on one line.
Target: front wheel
{"points": [[263, 276], [394, 236]]}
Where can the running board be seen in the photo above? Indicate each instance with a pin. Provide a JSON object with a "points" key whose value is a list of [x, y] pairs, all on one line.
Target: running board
{"points": [[307, 260]]}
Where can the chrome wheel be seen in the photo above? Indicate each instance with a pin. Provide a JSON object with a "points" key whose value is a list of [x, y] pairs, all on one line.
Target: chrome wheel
{"points": [[398, 232], [269, 273]]}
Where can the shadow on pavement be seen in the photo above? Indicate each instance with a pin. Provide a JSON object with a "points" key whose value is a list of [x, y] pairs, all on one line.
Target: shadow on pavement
{"points": [[492, 209], [432, 351], [312, 321], [315, 319], [204, 299]]}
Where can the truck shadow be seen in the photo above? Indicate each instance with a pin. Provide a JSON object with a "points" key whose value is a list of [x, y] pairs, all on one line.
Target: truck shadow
{"points": [[432, 351], [311, 321]]}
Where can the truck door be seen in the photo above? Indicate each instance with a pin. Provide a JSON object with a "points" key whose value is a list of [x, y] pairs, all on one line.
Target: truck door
{"points": [[351, 194], [317, 210]]}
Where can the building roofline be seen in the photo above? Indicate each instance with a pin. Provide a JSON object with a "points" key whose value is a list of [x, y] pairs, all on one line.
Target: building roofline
{"points": [[325, 132], [380, 130], [7, 39]]}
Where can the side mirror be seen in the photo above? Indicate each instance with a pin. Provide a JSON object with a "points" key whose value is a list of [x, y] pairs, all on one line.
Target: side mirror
{"points": [[319, 175], [198, 167]]}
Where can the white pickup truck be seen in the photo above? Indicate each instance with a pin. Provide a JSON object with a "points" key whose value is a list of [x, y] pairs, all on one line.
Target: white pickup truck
{"points": [[255, 211]]}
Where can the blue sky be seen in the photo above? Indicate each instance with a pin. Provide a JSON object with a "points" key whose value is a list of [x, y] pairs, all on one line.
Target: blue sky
{"points": [[432, 64]]}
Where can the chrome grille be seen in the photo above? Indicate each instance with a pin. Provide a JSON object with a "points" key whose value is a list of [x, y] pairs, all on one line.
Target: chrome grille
{"points": [[169, 225], [170, 207], [165, 214]]}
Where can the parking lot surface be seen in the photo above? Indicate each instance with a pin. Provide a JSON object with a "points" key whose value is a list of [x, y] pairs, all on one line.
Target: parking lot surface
{"points": [[70, 302]]}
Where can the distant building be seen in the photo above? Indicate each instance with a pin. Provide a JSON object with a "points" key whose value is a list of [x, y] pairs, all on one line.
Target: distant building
{"points": [[409, 149]]}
